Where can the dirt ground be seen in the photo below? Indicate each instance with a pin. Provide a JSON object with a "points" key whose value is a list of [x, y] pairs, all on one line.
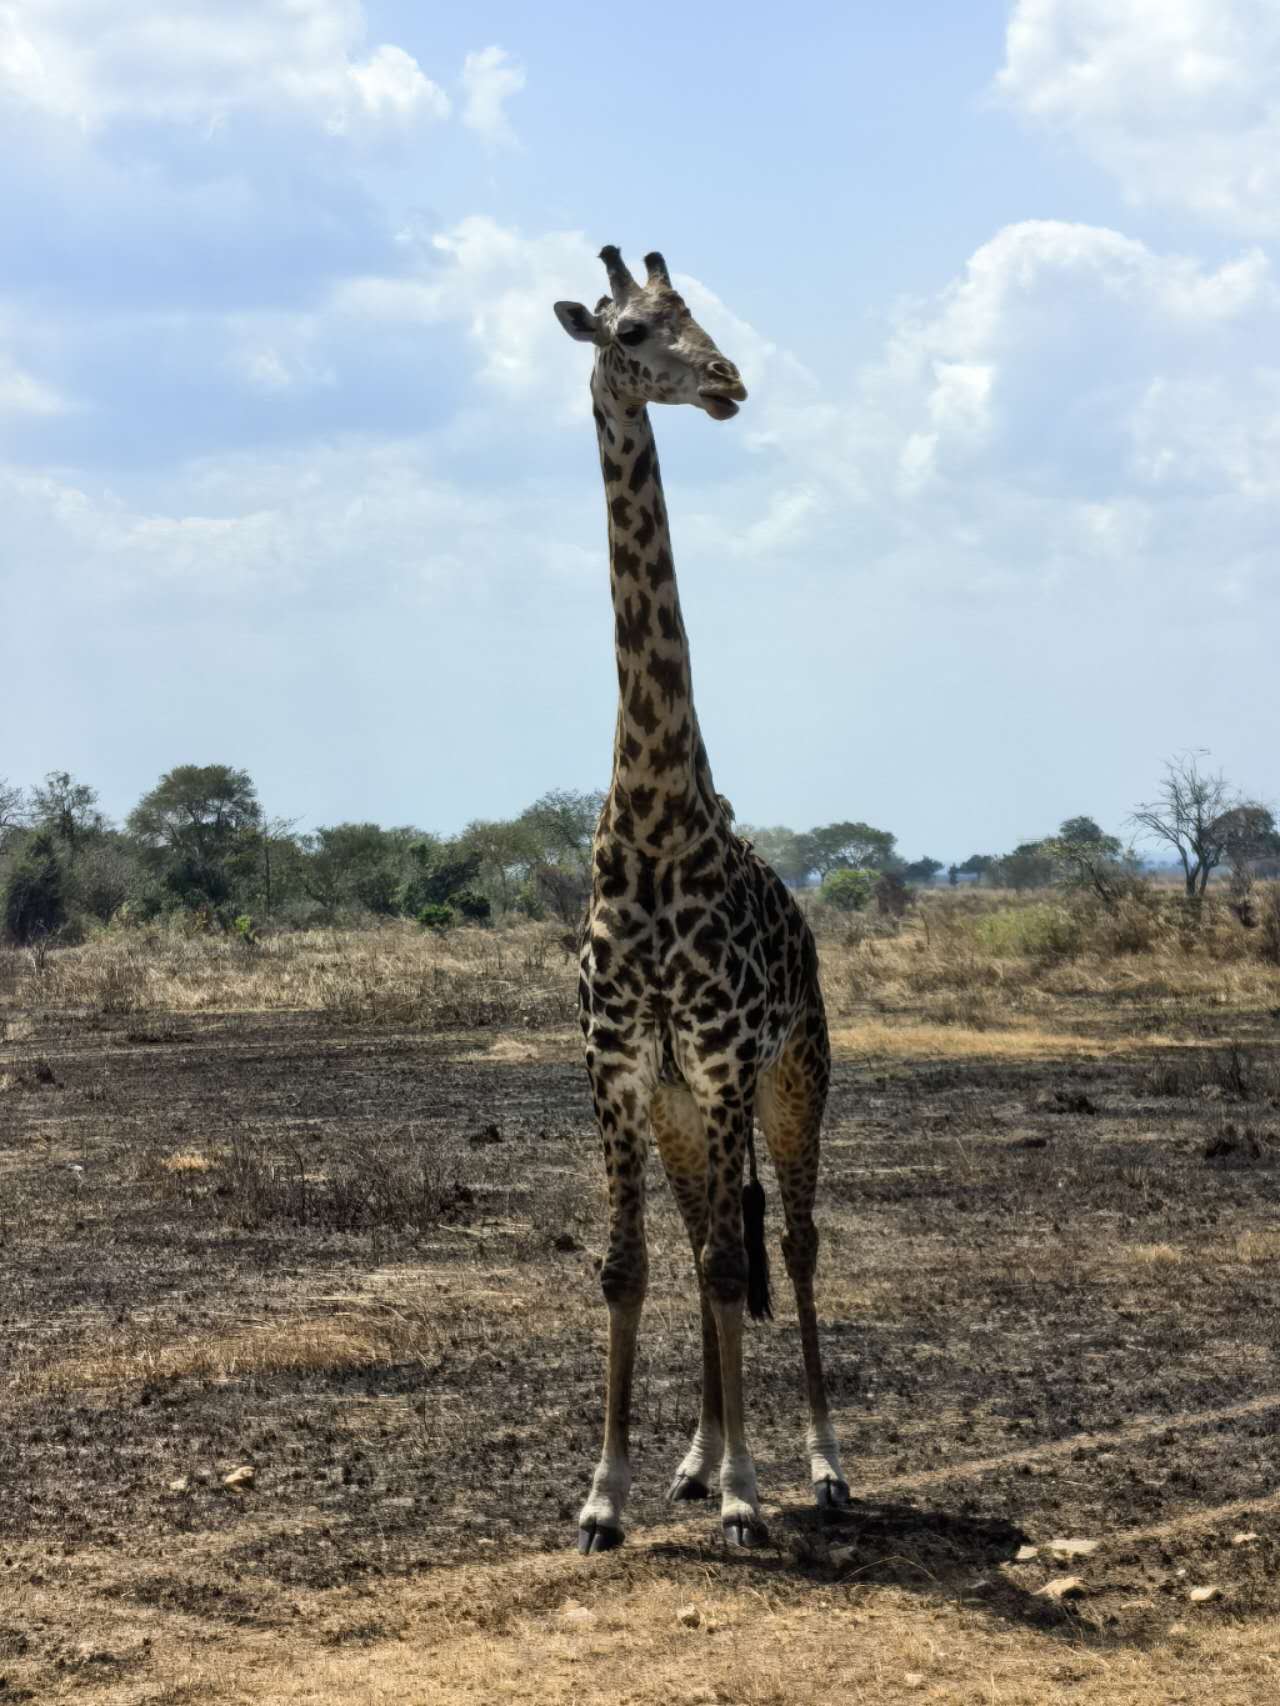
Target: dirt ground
{"points": [[1049, 1292]]}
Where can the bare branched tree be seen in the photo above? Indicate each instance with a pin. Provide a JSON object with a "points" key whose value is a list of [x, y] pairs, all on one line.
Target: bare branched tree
{"points": [[1194, 812]]}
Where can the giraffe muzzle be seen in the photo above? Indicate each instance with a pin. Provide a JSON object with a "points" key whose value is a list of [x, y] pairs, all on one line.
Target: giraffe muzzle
{"points": [[721, 401]]}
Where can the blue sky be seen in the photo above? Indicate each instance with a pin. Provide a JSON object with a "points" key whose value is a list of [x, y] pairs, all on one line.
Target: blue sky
{"points": [[297, 470]]}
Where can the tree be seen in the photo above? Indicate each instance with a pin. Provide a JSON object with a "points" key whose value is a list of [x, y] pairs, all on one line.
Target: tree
{"points": [[781, 849], [846, 846], [922, 871], [1196, 812], [198, 822], [978, 865], [354, 865], [1088, 859], [1029, 866], [34, 899], [441, 873], [1248, 833], [67, 809], [563, 823], [13, 811], [506, 853]]}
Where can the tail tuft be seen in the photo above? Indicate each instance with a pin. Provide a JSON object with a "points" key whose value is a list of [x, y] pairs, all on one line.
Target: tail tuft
{"points": [[759, 1301]]}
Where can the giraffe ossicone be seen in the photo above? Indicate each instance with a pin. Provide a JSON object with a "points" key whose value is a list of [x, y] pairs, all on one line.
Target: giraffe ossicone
{"points": [[699, 999]]}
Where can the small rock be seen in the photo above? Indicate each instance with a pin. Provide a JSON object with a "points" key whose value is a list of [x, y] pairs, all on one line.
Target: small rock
{"points": [[181, 1485], [1243, 1538], [913, 1679], [1025, 1554], [577, 1616], [1063, 1551], [1202, 1596], [244, 1476], [842, 1555], [1177, 1628], [565, 1241], [689, 1616], [1063, 1587]]}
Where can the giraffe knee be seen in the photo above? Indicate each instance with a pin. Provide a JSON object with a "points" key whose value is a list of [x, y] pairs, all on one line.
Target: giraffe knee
{"points": [[800, 1249], [623, 1279], [724, 1274]]}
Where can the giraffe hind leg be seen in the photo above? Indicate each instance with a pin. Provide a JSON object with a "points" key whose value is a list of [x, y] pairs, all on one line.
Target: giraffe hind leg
{"points": [[790, 1100], [677, 1130]]}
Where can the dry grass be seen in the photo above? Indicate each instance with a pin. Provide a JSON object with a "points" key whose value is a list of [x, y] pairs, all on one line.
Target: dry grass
{"points": [[548, 1631], [970, 962], [348, 1339], [1153, 1255], [186, 1161], [393, 974], [880, 1039]]}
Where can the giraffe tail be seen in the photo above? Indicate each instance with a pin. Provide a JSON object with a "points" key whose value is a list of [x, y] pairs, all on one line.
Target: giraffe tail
{"points": [[759, 1300]]}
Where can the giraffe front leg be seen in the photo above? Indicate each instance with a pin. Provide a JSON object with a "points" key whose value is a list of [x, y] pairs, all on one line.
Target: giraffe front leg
{"points": [[623, 1280], [727, 1122]]}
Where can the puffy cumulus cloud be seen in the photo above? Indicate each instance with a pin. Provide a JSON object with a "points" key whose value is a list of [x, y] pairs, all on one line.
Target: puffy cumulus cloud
{"points": [[194, 62], [1032, 361], [489, 79], [1179, 99], [499, 286]]}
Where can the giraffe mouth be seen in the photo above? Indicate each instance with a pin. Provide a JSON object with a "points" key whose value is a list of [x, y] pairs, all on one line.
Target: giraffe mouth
{"points": [[717, 404]]}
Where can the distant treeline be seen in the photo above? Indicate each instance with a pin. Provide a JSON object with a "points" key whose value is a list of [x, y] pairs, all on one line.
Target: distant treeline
{"points": [[201, 842]]}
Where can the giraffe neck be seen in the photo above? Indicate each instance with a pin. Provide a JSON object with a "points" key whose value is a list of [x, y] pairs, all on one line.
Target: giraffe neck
{"points": [[661, 795]]}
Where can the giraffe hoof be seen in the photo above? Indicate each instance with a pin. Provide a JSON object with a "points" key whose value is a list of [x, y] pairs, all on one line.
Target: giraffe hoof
{"points": [[595, 1537], [831, 1494], [686, 1487], [745, 1531]]}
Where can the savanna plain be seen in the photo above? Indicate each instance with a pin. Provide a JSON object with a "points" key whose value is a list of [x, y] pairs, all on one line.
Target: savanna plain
{"points": [[301, 1340]]}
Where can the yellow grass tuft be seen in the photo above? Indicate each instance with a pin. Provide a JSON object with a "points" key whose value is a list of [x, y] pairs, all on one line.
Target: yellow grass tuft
{"points": [[1154, 1255], [186, 1161]]}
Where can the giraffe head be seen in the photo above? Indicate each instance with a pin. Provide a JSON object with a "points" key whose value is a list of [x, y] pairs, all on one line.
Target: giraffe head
{"points": [[649, 347]]}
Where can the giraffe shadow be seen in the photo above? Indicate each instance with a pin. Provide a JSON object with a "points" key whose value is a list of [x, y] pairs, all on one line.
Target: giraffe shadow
{"points": [[937, 1553]]}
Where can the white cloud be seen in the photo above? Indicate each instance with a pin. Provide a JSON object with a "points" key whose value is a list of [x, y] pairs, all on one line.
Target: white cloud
{"points": [[500, 285], [490, 78], [189, 62], [1178, 99], [22, 394]]}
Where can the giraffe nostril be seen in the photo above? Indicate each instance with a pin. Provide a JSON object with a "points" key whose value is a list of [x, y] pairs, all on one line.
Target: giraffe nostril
{"points": [[723, 370]]}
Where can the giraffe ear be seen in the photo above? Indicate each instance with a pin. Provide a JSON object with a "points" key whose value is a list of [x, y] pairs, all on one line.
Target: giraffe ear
{"points": [[578, 321]]}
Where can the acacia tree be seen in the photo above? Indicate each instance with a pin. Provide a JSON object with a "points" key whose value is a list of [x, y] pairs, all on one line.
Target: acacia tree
{"points": [[199, 821], [1194, 812], [1092, 860], [847, 846]]}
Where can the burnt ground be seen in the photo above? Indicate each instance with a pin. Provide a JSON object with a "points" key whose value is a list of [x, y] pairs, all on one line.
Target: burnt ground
{"points": [[1049, 1291]]}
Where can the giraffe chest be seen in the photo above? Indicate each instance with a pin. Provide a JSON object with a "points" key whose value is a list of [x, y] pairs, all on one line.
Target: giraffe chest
{"points": [[690, 969]]}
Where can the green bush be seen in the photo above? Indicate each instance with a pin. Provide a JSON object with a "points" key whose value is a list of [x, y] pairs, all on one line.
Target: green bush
{"points": [[476, 907], [437, 917], [849, 891]]}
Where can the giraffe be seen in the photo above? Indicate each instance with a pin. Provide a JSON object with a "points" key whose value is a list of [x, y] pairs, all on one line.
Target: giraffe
{"points": [[698, 998]]}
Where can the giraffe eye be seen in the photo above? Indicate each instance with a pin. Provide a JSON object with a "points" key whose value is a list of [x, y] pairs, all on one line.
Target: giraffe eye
{"points": [[632, 335]]}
